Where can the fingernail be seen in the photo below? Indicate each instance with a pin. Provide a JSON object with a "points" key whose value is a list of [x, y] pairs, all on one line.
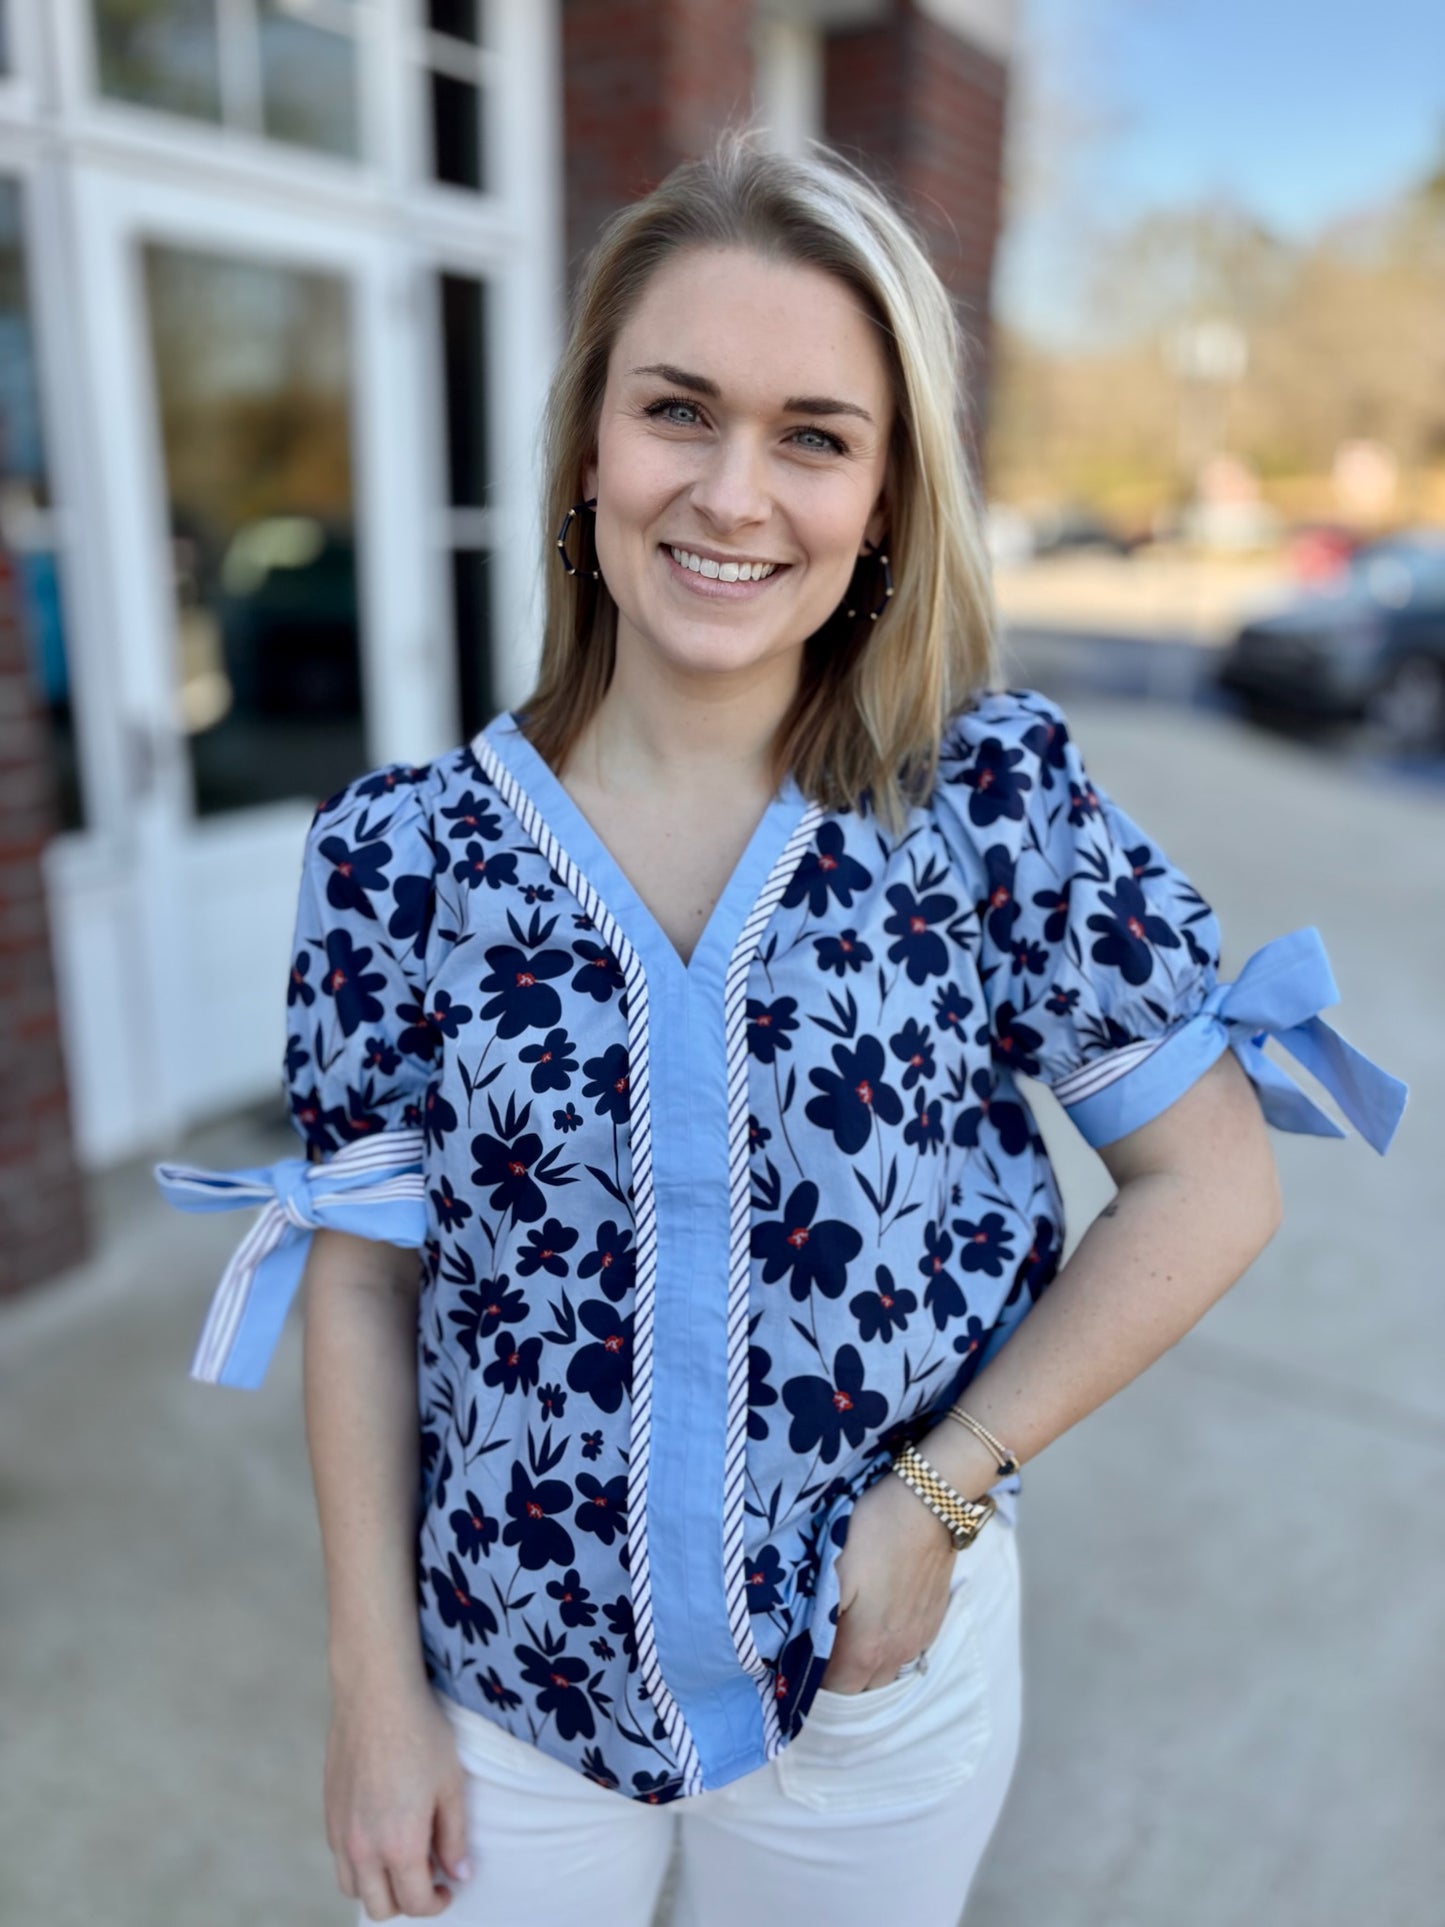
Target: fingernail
{"points": [[464, 1870]]}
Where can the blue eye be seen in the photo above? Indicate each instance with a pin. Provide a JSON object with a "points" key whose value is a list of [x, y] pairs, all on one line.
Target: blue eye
{"points": [[669, 402], [823, 439]]}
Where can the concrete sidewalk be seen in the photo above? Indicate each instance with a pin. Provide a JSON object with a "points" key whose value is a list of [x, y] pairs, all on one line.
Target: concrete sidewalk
{"points": [[1234, 1574]]}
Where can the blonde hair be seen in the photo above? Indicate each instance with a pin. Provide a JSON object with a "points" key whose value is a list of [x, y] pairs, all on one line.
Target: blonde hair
{"points": [[873, 697]]}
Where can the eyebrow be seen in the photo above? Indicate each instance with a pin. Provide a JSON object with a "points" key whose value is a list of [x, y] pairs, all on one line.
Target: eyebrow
{"points": [[794, 405]]}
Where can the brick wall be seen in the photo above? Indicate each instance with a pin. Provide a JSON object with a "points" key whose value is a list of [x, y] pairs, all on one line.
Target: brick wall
{"points": [[924, 111], [649, 82], [43, 1226], [646, 84]]}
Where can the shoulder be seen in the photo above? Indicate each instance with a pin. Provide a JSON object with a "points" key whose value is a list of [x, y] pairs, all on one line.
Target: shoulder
{"points": [[1002, 758], [1022, 720], [399, 804]]}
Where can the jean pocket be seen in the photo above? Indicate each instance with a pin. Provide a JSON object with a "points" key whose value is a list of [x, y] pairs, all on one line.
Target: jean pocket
{"points": [[908, 1741]]}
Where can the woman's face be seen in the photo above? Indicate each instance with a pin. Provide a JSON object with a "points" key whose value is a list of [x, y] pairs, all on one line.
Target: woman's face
{"points": [[744, 427]]}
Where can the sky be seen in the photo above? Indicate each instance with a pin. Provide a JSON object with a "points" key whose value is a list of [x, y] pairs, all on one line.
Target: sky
{"points": [[1304, 111]]}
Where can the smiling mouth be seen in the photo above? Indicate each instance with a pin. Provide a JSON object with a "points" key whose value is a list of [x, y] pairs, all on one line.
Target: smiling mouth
{"points": [[713, 569]]}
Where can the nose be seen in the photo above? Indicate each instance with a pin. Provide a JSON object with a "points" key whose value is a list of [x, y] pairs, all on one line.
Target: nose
{"points": [[731, 492]]}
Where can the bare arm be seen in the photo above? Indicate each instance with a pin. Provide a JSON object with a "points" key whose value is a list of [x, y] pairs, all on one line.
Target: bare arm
{"points": [[393, 1782], [362, 1433], [1198, 1200]]}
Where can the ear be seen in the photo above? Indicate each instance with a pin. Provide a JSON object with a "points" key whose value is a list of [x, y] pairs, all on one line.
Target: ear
{"points": [[877, 525]]}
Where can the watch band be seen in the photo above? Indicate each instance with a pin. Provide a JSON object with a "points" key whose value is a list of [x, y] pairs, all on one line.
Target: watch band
{"points": [[963, 1518]]}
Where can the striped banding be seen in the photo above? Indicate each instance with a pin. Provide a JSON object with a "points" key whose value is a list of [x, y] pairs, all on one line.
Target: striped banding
{"points": [[644, 1208], [735, 1006], [1100, 1072]]}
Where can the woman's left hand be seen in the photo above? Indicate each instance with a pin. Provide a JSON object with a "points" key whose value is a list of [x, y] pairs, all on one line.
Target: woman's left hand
{"points": [[893, 1583]]}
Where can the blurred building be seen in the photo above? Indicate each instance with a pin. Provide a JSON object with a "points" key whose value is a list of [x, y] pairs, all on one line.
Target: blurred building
{"points": [[282, 285]]}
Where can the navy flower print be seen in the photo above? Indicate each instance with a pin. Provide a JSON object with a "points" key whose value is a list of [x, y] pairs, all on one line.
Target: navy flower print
{"points": [[854, 1094], [350, 984], [1130, 932], [828, 1410], [813, 1257]]}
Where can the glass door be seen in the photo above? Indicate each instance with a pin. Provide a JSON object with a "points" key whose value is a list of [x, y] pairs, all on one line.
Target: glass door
{"points": [[262, 493]]}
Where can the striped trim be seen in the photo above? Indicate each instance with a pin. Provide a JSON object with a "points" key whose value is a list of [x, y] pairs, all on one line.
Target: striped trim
{"points": [[740, 1268], [644, 1210], [1098, 1074]]}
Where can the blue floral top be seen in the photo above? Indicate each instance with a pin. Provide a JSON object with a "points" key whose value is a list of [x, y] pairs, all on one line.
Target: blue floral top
{"points": [[701, 1245]]}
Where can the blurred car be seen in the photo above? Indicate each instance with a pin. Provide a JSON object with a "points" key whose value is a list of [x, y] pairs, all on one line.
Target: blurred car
{"points": [[1368, 646], [1320, 551], [1056, 531]]}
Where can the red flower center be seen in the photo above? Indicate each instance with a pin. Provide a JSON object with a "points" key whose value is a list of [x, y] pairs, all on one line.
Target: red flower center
{"points": [[842, 1401], [525, 979], [797, 1239]]}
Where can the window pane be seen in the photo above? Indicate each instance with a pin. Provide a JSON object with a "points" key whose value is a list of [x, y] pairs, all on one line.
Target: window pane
{"points": [[254, 372], [308, 83], [456, 131], [471, 615], [464, 350], [26, 526], [162, 53], [462, 19]]}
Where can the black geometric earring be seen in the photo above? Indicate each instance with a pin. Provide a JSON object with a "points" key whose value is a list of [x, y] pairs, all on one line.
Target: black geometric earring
{"points": [[562, 533], [875, 551]]}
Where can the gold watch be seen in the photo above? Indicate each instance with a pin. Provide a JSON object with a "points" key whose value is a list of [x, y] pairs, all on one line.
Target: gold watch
{"points": [[963, 1518]]}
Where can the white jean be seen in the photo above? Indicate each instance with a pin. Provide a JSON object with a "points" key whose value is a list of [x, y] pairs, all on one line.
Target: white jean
{"points": [[879, 1810]]}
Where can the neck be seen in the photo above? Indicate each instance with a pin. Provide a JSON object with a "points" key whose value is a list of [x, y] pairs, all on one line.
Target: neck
{"points": [[653, 734]]}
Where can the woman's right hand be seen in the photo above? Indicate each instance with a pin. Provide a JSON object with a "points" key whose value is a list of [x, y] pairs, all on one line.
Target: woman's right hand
{"points": [[394, 1795]]}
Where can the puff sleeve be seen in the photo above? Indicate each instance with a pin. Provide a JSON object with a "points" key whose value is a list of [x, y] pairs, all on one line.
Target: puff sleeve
{"points": [[1100, 959], [359, 1049]]}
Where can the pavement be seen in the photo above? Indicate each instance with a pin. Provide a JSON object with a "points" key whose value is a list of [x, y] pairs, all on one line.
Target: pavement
{"points": [[1233, 1573]]}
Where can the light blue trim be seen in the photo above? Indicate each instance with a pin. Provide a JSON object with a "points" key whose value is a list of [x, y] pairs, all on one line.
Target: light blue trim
{"points": [[372, 1188], [689, 1098], [1277, 993]]}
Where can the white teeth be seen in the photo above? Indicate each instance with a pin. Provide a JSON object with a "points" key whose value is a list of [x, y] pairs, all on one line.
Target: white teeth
{"points": [[722, 571]]}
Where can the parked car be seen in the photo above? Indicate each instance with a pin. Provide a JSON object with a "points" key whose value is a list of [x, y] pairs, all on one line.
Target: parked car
{"points": [[1073, 526], [1368, 646]]}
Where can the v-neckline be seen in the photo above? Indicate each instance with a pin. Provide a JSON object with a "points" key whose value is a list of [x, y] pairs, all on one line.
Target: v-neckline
{"points": [[574, 831]]}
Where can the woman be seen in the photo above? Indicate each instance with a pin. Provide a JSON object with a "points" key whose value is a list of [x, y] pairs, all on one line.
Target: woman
{"points": [[676, 1020]]}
